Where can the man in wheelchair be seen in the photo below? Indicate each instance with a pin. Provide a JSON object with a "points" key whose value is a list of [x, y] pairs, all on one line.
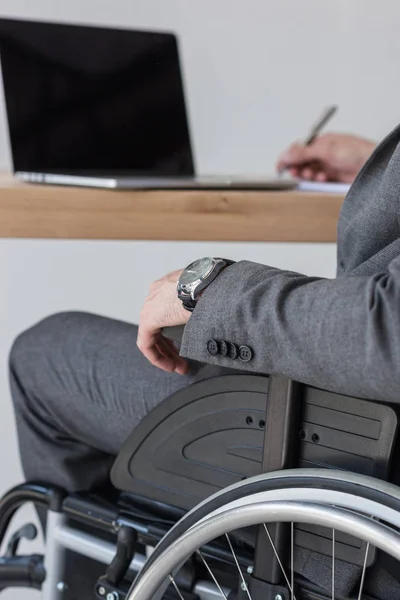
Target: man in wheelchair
{"points": [[293, 476]]}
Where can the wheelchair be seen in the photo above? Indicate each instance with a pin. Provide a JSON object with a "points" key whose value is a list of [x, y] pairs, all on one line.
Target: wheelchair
{"points": [[242, 487]]}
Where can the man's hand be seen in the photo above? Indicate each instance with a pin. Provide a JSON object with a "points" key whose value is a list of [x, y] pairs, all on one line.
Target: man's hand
{"points": [[331, 157], [162, 308]]}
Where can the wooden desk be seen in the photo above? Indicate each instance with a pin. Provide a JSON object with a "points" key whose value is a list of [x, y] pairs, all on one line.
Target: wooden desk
{"points": [[36, 211]]}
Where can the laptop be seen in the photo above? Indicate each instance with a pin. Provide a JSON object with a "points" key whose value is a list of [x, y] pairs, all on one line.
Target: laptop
{"points": [[99, 107]]}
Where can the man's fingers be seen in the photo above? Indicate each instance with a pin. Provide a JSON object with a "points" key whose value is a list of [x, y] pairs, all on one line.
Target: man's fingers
{"points": [[181, 365], [284, 160], [168, 345], [162, 308], [294, 156], [161, 353], [321, 176], [159, 359], [298, 156], [295, 172], [147, 344], [307, 173]]}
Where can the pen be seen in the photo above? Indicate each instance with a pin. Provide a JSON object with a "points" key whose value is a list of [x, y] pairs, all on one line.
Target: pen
{"points": [[319, 125]]}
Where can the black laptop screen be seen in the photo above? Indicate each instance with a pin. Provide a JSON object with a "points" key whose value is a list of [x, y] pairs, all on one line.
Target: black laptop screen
{"points": [[91, 99]]}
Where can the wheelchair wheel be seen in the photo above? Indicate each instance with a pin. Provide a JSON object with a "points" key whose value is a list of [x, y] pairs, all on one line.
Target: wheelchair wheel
{"points": [[340, 503]]}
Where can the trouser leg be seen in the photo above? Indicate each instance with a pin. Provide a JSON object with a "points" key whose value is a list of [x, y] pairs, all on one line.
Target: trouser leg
{"points": [[79, 387]]}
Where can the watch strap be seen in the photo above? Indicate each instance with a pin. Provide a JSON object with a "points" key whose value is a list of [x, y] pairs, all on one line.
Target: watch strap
{"points": [[189, 302]]}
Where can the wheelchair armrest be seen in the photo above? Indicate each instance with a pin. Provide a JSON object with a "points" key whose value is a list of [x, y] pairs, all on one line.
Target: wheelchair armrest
{"points": [[175, 334]]}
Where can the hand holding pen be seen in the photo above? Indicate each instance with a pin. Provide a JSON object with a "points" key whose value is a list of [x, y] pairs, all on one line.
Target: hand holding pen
{"points": [[327, 157]]}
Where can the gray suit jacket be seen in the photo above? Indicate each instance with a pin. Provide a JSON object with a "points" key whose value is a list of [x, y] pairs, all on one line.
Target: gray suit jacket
{"points": [[341, 334]]}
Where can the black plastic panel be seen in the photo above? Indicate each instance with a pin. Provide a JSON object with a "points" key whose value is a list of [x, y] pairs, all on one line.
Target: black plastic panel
{"points": [[210, 435], [346, 433], [350, 434], [198, 441]]}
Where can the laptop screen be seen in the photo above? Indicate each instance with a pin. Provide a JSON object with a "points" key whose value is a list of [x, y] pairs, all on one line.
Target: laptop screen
{"points": [[89, 99]]}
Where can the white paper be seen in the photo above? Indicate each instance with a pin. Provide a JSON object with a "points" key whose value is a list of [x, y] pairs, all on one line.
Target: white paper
{"points": [[324, 187]]}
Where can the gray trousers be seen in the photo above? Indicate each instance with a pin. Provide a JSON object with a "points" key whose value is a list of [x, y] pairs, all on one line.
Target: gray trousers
{"points": [[79, 386]]}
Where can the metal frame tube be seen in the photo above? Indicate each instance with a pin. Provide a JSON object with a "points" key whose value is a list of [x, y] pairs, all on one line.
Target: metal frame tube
{"points": [[91, 546], [54, 560]]}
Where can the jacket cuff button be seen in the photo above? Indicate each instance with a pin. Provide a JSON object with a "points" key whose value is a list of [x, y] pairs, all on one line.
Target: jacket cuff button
{"points": [[212, 347], [245, 354], [233, 351], [223, 348]]}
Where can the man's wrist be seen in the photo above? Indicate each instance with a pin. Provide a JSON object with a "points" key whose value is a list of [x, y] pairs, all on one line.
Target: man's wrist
{"points": [[184, 314], [197, 277]]}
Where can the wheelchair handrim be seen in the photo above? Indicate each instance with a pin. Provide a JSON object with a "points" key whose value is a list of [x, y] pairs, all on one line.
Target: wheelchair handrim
{"points": [[352, 483], [219, 523]]}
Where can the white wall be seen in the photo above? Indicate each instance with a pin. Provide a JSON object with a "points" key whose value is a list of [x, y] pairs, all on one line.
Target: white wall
{"points": [[257, 74]]}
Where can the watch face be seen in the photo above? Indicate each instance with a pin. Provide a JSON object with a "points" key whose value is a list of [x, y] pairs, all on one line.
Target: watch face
{"points": [[197, 270]]}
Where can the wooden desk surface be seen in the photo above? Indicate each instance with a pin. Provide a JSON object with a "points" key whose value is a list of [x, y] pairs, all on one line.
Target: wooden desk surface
{"points": [[36, 211]]}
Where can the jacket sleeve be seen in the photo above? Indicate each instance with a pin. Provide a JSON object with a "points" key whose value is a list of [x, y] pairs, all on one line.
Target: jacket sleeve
{"points": [[340, 334]]}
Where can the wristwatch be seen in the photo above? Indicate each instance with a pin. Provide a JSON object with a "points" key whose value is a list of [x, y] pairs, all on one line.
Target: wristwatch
{"points": [[196, 277]]}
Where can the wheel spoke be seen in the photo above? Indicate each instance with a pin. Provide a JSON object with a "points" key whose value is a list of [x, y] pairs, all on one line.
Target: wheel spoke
{"points": [[363, 572], [172, 580], [333, 564], [292, 560], [212, 574], [244, 584], [290, 586]]}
